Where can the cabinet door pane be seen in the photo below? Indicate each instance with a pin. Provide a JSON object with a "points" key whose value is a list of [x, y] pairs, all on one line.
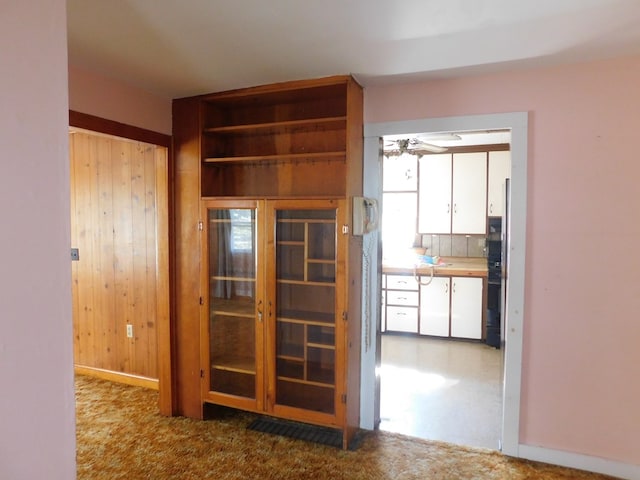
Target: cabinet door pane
{"points": [[305, 308], [232, 294]]}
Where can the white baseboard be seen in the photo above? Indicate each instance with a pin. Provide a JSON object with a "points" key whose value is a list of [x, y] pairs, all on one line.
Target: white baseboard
{"points": [[581, 462]]}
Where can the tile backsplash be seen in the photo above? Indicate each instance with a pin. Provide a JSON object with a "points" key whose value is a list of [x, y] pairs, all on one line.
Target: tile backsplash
{"points": [[454, 245]]}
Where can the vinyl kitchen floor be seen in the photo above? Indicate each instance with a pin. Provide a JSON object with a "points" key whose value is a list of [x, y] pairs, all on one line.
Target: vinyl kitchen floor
{"points": [[441, 389]]}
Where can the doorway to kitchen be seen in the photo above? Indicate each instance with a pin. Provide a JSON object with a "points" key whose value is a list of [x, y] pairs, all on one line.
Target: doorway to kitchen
{"points": [[441, 374], [373, 349]]}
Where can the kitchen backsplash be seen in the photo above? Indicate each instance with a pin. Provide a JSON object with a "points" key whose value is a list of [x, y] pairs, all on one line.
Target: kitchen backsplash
{"points": [[454, 245]]}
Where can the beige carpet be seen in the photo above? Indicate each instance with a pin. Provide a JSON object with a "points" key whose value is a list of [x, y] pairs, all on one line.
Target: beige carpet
{"points": [[121, 435]]}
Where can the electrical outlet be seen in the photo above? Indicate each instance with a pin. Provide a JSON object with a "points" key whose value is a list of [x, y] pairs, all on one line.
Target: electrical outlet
{"points": [[129, 330]]}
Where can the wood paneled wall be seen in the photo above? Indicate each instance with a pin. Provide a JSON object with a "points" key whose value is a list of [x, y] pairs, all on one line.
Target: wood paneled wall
{"points": [[119, 223]]}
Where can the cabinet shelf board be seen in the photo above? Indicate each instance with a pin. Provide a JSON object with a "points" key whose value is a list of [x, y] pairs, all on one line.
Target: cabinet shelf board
{"points": [[233, 279], [291, 243], [329, 283], [311, 156], [320, 260], [235, 364], [306, 220], [327, 123], [307, 318], [290, 358], [321, 345], [306, 382], [233, 308]]}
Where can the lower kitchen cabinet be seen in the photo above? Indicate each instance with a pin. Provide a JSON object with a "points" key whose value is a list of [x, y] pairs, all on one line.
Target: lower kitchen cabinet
{"points": [[466, 307], [440, 307], [434, 307]]}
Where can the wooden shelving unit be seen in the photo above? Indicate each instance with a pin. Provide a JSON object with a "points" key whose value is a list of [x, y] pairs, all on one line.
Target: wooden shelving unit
{"points": [[274, 338]]}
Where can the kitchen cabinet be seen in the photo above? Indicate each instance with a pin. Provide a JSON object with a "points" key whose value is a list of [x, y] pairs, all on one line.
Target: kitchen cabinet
{"points": [[452, 193], [445, 306], [499, 170], [469, 214], [434, 199], [401, 298], [267, 271], [434, 307], [466, 307]]}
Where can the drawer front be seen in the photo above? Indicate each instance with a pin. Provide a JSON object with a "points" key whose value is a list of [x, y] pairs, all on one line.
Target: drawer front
{"points": [[402, 319], [401, 282], [400, 297]]}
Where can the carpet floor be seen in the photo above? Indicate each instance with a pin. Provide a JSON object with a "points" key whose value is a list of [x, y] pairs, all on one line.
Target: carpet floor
{"points": [[121, 435]]}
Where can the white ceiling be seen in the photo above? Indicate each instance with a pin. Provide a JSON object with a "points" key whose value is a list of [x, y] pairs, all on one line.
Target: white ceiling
{"points": [[178, 48]]}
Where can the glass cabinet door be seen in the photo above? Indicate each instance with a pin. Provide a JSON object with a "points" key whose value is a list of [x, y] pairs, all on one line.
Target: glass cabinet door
{"points": [[232, 283], [305, 323]]}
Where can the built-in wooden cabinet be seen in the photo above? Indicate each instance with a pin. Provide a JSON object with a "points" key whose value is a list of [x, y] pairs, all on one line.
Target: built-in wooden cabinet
{"points": [[264, 179], [272, 327]]}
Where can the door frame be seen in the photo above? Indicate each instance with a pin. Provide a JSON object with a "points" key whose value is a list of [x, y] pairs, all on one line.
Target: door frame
{"points": [[166, 390], [517, 122]]}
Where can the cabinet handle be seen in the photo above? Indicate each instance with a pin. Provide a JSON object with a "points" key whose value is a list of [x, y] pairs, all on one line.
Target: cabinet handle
{"points": [[455, 208], [453, 288], [446, 288], [270, 309], [402, 298], [448, 208], [491, 208], [260, 311]]}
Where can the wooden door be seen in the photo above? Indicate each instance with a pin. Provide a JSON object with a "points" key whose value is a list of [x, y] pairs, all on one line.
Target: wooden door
{"points": [[306, 295], [119, 222], [233, 307]]}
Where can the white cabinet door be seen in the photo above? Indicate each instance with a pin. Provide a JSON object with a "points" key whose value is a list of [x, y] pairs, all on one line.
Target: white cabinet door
{"points": [[466, 307], [434, 307], [499, 169], [434, 203], [469, 193]]}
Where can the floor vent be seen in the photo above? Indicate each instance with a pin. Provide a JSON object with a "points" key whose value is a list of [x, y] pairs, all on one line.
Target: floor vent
{"points": [[300, 431]]}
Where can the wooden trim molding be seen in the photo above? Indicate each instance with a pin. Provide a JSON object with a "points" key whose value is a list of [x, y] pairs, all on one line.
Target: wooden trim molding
{"points": [[110, 127], [126, 378]]}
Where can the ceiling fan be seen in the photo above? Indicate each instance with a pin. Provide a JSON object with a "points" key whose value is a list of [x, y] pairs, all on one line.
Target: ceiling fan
{"points": [[399, 144]]}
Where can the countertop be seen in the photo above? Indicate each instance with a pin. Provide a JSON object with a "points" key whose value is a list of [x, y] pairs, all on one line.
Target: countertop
{"points": [[453, 266]]}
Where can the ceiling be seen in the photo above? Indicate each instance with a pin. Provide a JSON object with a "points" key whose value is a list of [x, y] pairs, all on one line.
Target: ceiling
{"points": [[181, 48]]}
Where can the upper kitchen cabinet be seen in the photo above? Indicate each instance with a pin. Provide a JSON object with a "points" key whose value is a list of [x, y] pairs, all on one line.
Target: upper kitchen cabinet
{"points": [[499, 170], [434, 199], [469, 213], [452, 193]]}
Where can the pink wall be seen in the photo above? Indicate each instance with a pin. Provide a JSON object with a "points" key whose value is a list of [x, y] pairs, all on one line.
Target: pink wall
{"points": [[109, 98], [580, 388], [37, 406]]}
